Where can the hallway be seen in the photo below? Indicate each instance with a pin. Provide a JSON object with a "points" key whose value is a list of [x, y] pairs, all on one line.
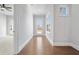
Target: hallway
{"points": [[39, 45], [59, 26]]}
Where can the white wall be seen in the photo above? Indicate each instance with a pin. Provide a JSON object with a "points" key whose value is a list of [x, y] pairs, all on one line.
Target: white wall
{"points": [[62, 26], [50, 19], [2, 25], [9, 23], [23, 25], [75, 26]]}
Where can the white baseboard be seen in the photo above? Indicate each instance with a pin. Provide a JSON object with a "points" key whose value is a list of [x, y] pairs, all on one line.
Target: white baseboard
{"points": [[51, 42], [61, 44], [75, 46], [23, 45], [64, 44]]}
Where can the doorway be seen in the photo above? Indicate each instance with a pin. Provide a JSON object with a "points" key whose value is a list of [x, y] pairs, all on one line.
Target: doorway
{"points": [[39, 24]]}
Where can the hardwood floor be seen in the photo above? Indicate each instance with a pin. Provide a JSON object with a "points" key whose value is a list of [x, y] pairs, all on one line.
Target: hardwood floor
{"points": [[39, 45]]}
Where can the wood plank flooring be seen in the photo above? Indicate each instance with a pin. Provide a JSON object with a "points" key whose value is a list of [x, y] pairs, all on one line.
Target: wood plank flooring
{"points": [[39, 45]]}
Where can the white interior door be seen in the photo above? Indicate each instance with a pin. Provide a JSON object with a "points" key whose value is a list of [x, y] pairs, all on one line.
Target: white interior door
{"points": [[39, 25]]}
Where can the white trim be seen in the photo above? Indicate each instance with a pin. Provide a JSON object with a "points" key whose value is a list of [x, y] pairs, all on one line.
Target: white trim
{"points": [[61, 44], [50, 41], [23, 45], [75, 46], [64, 44]]}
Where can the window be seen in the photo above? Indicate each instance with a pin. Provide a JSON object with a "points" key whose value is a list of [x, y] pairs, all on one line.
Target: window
{"points": [[63, 10]]}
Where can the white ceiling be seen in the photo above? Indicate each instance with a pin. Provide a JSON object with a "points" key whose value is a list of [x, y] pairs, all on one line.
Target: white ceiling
{"points": [[41, 8]]}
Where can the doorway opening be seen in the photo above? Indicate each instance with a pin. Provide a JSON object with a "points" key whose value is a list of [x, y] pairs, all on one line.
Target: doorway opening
{"points": [[39, 24]]}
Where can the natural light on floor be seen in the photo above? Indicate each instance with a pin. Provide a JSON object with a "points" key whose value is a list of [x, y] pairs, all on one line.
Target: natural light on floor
{"points": [[39, 44]]}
